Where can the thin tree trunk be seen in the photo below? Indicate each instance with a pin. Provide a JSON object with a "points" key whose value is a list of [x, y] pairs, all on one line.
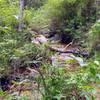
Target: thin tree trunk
{"points": [[21, 15]]}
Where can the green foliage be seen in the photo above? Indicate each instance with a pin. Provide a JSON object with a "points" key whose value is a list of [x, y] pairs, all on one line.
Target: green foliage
{"points": [[61, 83], [57, 82], [34, 3], [94, 37], [8, 14], [72, 18], [13, 43], [28, 14], [6, 96]]}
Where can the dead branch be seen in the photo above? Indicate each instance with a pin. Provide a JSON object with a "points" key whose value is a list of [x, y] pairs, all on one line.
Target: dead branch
{"points": [[84, 54]]}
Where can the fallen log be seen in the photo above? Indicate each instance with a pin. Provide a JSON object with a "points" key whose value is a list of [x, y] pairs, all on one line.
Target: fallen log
{"points": [[76, 52]]}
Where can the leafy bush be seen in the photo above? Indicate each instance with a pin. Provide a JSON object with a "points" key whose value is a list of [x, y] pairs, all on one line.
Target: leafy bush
{"points": [[56, 83], [28, 14], [9, 16], [72, 18], [61, 83], [94, 37], [34, 3], [8, 13]]}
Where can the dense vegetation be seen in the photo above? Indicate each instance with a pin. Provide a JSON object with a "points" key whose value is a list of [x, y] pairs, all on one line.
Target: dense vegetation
{"points": [[78, 19]]}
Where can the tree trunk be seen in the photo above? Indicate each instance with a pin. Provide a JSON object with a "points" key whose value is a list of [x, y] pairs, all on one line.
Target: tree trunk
{"points": [[21, 15]]}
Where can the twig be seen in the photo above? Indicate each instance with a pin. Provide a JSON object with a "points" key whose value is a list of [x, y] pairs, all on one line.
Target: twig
{"points": [[68, 45]]}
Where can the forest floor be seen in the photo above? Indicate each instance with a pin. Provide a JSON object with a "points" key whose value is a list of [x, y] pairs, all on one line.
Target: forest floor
{"points": [[62, 54]]}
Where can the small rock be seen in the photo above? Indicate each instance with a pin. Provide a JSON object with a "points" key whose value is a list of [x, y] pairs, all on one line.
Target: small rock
{"points": [[41, 39], [33, 40], [80, 61], [67, 60], [60, 60], [97, 62]]}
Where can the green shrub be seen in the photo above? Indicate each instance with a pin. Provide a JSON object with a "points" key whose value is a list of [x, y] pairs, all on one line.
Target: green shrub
{"points": [[28, 14], [50, 14], [8, 14], [94, 37], [34, 3], [61, 83]]}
